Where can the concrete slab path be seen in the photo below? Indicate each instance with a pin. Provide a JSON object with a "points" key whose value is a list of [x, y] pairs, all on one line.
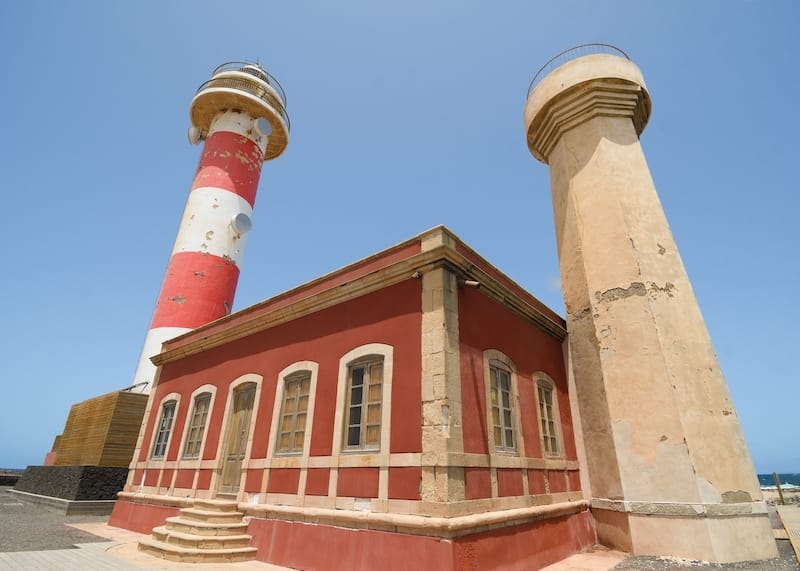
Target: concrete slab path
{"points": [[120, 553], [790, 516], [599, 560]]}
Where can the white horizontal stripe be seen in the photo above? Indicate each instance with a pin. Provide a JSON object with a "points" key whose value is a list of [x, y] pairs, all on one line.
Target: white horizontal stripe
{"points": [[239, 123], [146, 371], [206, 225]]}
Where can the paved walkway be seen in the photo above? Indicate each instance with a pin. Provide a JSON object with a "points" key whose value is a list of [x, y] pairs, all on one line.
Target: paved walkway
{"points": [[790, 516], [600, 560], [34, 537], [119, 553], [89, 556]]}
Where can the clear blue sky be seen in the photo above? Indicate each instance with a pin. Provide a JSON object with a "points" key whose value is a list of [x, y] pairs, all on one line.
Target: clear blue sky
{"points": [[404, 115]]}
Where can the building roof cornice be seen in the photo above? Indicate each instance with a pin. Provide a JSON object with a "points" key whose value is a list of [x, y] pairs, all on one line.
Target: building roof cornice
{"points": [[403, 262]]}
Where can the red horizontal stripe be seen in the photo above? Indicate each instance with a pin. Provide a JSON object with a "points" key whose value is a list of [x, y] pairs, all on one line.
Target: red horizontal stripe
{"points": [[231, 162], [195, 291]]}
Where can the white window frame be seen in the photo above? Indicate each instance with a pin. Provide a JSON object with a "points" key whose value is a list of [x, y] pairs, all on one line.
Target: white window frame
{"points": [[498, 359], [368, 367], [379, 350], [544, 381], [205, 389], [174, 399]]}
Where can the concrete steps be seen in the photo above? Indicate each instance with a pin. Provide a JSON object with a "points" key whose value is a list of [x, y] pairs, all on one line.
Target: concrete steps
{"points": [[195, 527], [211, 531]]}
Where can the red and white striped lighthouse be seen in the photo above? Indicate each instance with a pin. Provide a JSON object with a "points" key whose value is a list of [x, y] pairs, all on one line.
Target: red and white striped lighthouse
{"points": [[240, 113]]}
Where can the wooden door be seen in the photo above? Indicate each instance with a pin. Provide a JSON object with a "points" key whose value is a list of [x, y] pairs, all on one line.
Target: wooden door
{"points": [[236, 438]]}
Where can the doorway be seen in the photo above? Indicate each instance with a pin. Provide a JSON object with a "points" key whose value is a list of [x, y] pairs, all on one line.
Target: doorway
{"points": [[238, 433]]}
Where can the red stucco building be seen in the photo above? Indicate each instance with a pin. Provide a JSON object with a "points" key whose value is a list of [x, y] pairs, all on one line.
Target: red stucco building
{"points": [[409, 410]]}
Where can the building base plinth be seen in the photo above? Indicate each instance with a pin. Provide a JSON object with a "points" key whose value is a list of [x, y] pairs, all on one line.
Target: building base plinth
{"points": [[141, 517], [701, 537], [528, 545]]}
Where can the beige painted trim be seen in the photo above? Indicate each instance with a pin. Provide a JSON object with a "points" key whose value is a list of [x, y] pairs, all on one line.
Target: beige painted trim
{"points": [[216, 474], [130, 483], [540, 376], [194, 463], [446, 527], [274, 460], [156, 499], [442, 423], [406, 459], [393, 506], [681, 509], [498, 458], [161, 461], [500, 461], [160, 464], [500, 358], [343, 515], [207, 388], [441, 256], [387, 352]]}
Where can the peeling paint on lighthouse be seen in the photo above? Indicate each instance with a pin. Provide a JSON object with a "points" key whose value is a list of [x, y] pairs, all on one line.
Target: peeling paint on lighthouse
{"points": [[240, 114]]}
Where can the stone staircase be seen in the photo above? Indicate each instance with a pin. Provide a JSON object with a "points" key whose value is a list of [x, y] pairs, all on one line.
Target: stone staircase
{"points": [[211, 531]]}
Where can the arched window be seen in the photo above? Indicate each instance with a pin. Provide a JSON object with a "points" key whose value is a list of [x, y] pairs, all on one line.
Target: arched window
{"points": [[364, 400], [548, 415], [363, 408], [502, 409], [294, 413], [164, 428], [197, 426], [502, 399], [293, 409]]}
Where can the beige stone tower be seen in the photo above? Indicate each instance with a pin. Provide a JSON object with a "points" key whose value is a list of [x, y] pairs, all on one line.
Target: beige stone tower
{"points": [[667, 465]]}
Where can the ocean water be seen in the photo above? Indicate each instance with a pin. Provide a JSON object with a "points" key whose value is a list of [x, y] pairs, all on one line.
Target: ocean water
{"points": [[788, 481]]}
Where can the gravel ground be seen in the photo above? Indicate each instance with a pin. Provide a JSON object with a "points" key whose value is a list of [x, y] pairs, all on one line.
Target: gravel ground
{"points": [[785, 562], [27, 527]]}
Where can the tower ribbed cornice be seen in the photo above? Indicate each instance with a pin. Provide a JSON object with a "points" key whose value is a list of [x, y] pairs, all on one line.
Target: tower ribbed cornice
{"points": [[566, 98]]}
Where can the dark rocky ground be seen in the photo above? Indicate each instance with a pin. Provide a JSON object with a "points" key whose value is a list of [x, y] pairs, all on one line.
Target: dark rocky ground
{"points": [[27, 527], [786, 562]]}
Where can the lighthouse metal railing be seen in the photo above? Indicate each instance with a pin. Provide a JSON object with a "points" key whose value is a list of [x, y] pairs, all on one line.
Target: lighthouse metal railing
{"points": [[571, 54], [263, 85]]}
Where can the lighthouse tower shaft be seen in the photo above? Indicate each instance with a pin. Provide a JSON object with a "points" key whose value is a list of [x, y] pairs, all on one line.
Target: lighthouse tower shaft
{"points": [[240, 114], [666, 460]]}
